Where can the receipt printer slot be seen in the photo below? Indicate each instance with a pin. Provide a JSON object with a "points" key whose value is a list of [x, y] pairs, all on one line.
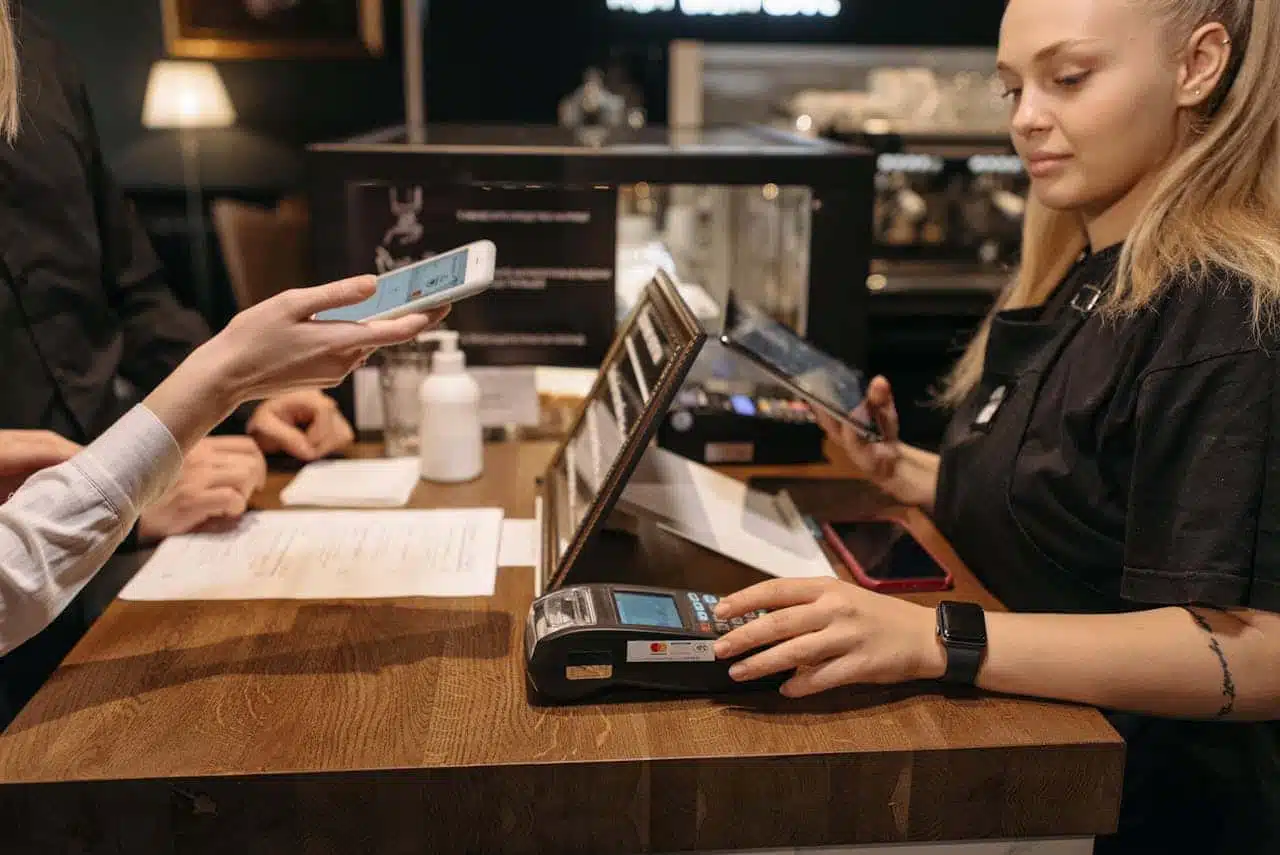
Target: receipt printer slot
{"points": [[583, 665]]}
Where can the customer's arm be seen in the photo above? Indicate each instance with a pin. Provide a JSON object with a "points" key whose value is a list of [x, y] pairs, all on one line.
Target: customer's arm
{"points": [[62, 525]]}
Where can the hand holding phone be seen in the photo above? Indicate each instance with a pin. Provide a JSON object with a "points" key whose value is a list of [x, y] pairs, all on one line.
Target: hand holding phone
{"points": [[424, 285], [885, 556], [827, 384], [877, 459]]}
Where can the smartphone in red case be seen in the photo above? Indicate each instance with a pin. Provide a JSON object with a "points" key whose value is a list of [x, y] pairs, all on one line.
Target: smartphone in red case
{"points": [[885, 556]]}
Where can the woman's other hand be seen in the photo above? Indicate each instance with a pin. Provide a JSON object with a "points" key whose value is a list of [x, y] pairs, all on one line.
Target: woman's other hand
{"points": [[876, 460]]}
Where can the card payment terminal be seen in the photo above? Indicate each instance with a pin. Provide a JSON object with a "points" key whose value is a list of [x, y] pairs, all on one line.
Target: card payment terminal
{"points": [[584, 640]]}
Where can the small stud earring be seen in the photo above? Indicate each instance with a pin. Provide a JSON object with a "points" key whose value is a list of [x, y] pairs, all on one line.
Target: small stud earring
{"points": [[1197, 92]]}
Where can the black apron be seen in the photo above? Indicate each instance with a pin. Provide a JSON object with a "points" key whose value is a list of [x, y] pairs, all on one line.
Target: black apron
{"points": [[974, 504], [1190, 787]]}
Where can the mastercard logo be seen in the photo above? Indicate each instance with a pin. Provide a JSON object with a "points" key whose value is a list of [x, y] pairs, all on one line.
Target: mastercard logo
{"points": [[657, 647]]}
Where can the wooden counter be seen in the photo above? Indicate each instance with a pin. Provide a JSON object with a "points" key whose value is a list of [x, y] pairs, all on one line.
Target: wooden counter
{"points": [[403, 727]]}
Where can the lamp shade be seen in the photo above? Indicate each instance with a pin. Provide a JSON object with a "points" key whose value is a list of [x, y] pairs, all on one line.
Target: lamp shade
{"points": [[186, 95]]}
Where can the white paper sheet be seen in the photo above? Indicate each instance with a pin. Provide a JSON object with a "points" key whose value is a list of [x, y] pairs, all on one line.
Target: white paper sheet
{"points": [[383, 483], [565, 382], [329, 555], [521, 544], [724, 515]]}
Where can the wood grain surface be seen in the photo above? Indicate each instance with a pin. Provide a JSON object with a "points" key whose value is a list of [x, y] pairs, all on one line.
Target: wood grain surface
{"points": [[403, 726]]}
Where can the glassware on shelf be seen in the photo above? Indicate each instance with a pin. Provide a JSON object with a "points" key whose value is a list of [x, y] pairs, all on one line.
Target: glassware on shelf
{"points": [[754, 239]]}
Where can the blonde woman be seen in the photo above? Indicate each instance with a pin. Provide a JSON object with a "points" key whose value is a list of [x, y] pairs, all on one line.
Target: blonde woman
{"points": [[8, 76], [1112, 470]]}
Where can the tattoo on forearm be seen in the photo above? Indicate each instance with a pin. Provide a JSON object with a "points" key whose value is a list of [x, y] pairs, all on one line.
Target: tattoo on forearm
{"points": [[1228, 684]]}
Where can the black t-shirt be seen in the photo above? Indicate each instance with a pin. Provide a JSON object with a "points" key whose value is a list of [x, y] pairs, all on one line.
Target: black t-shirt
{"points": [[1147, 474]]}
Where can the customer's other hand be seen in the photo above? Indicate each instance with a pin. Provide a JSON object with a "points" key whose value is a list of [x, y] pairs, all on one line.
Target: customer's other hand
{"points": [[25, 452], [305, 424], [219, 476]]}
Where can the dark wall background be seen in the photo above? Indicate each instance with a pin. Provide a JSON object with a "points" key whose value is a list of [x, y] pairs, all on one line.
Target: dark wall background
{"points": [[866, 22]]}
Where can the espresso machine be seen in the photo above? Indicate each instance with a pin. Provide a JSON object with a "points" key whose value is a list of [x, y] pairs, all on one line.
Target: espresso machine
{"points": [[945, 216], [950, 191]]}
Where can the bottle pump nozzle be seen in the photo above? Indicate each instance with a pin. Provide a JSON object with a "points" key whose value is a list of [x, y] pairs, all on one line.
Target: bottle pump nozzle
{"points": [[447, 359]]}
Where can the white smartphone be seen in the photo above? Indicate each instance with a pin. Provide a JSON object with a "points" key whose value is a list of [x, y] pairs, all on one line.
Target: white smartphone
{"points": [[427, 284]]}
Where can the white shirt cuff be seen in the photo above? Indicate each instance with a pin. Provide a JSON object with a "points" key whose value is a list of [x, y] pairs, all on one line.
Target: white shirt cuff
{"points": [[134, 462]]}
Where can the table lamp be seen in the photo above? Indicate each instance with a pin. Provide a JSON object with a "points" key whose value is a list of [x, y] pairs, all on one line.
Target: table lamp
{"points": [[186, 96]]}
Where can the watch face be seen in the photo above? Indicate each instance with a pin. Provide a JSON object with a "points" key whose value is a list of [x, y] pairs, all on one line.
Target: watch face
{"points": [[963, 623]]}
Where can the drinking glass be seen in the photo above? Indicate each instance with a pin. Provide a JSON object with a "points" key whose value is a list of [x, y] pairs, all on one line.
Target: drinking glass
{"points": [[402, 370]]}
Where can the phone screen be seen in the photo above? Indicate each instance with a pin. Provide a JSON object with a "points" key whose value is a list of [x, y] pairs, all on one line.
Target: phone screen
{"points": [[826, 379], [406, 285], [886, 551]]}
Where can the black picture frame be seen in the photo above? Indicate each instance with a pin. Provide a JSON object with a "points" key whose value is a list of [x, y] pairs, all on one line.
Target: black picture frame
{"points": [[661, 306]]}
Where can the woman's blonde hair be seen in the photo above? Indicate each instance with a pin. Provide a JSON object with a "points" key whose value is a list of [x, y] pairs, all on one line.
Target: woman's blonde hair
{"points": [[9, 78], [1217, 204]]}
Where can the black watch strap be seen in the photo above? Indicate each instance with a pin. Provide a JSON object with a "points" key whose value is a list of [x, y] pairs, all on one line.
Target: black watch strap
{"points": [[963, 664], [962, 629]]}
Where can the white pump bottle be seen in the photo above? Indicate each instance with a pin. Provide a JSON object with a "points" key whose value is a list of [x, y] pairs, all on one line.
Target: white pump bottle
{"points": [[452, 440]]}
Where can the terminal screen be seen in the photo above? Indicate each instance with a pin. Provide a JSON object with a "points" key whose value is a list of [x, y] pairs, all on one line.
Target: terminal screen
{"points": [[647, 610]]}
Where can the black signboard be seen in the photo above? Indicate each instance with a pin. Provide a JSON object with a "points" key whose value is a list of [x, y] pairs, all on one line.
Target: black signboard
{"points": [[932, 23], [553, 301]]}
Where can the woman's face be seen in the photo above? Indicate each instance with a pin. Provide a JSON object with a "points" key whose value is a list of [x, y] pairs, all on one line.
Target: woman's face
{"points": [[1093, 89]]}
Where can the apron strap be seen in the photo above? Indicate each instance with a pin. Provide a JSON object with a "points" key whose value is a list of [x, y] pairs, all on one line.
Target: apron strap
{"points": [[1071, 319], [1087, 299]]}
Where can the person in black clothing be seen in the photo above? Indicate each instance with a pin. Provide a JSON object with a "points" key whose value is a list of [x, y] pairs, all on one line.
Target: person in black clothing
{"points": [[88, 327], [1112, 468]]}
